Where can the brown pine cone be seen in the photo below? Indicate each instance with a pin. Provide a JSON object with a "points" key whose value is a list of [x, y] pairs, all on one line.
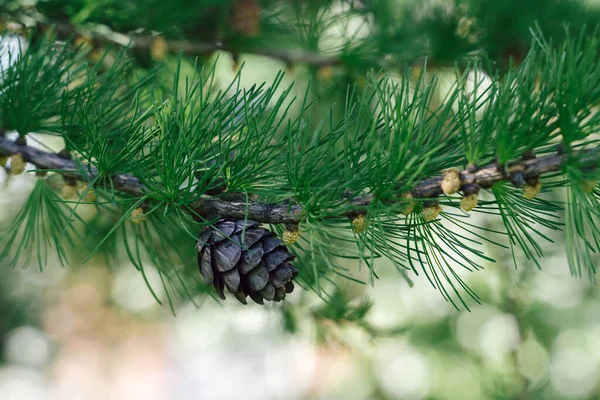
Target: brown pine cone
{"points": [[257, 267]]}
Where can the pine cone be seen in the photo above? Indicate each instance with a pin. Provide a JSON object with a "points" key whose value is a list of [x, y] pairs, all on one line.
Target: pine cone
{"points": [[259, 268]]}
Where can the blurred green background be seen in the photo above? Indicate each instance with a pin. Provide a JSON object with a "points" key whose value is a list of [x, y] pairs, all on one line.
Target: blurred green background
{"points": [[96, 332]]}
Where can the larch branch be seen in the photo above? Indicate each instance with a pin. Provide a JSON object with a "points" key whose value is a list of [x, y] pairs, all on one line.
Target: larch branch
{"points": [[291, 213], [187, 47]]}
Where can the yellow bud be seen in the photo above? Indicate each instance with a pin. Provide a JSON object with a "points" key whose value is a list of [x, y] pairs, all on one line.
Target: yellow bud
{"points": [[90, 196], [138, 216], [68, 191], [326, 73], [431, 213], [588, 186], [469, 202], [409, 204], [17, 164], [3, 160], [83, 41], [159, 48], [530, 192], [451, 183], [290, 236], [96, 54], [358, 223]]}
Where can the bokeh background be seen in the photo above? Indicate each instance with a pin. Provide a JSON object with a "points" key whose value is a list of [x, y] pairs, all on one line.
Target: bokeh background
{"points": [[94, 331]]}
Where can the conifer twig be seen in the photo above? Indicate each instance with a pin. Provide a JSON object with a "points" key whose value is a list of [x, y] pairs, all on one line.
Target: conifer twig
{"points": [[191, 48], [290, 213]]}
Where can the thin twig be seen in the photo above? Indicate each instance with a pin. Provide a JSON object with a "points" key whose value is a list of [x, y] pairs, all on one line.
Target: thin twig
{"points": [[290, 213], [190, 48]]}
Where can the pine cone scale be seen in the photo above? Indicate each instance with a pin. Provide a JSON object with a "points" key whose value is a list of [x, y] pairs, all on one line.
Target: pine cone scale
{"points": [[289, 287], [205, 261], [253, 236], [270, 244], [241, 297], [226, 255], [258, 279], [280, 277], [219, 286], [251, 258], [232, 280], [247, 260], [239, 225], [224, 230], [257, 299], [268, 293], [275, 258]]}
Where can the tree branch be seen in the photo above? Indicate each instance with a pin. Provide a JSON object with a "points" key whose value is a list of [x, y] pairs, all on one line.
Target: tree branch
{"points": [[189, 48], [289, 213]]}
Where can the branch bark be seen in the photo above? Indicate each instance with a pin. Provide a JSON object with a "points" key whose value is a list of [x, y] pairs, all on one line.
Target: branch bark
{"points": [[190, 48], [290, 213]]}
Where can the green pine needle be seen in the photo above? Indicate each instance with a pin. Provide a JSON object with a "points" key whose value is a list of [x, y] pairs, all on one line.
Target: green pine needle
{"points": [[35, 232]]}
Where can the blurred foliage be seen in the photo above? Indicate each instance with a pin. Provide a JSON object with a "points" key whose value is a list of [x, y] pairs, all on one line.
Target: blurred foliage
{"points": [[14, 309], [400, 32]]}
